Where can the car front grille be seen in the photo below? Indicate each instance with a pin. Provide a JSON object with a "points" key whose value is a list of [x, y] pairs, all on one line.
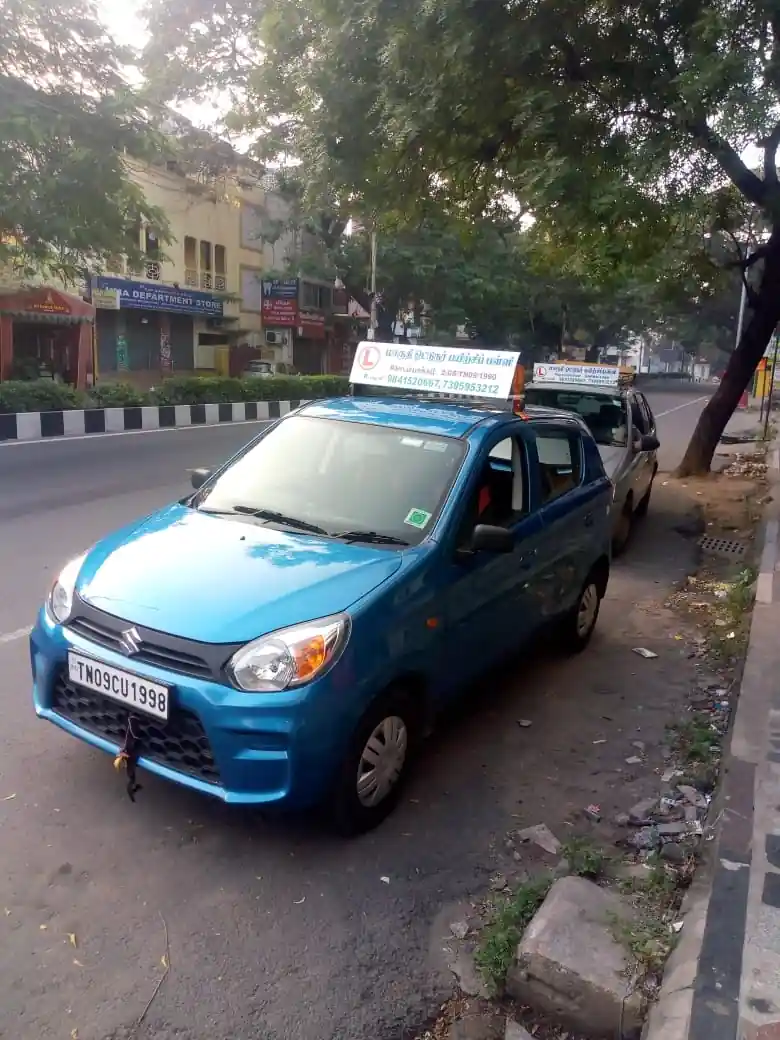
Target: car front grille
{"points": [[180, 743], [149, 651]]}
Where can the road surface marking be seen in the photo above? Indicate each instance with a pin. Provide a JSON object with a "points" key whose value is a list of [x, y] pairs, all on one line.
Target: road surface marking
{"points": [[19, 633], [677, 407], [132, 433]]}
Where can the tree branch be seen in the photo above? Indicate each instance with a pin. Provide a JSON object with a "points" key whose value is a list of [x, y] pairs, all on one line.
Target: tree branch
{"points": [[770, 145], [751, 186]]}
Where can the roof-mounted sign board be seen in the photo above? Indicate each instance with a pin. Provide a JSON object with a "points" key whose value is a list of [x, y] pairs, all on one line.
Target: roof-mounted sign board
{"points": [[437, 370], [586, 375]]}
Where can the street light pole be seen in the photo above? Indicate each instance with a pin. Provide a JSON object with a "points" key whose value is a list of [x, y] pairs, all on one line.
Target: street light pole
{"points": [[374, 319]]}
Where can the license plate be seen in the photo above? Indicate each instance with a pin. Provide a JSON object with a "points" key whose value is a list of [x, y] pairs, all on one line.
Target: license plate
{"points": [[131, 690]]}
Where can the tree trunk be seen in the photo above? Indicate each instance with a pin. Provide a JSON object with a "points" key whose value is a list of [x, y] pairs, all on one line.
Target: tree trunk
{"points": [[764, 316]]}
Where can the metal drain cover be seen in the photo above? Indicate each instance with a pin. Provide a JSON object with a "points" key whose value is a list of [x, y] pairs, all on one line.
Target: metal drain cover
{"points": [[723, 546]]}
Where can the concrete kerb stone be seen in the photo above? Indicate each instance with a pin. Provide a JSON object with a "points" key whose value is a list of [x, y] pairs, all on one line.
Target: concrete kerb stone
{"points": [[700, 993], [80, 422], [573, 968]]}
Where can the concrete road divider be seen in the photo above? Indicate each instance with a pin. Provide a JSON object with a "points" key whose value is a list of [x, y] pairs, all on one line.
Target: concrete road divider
{"points": [[34, 426]]}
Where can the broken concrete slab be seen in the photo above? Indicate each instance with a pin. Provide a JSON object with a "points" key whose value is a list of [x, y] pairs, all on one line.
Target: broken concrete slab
{"points": [[514, 1031], [541, 835], [478, 1025], [642, 813], [570, 966]]}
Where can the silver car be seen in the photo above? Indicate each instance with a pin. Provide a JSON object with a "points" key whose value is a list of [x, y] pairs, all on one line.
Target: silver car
{"points": [[622, 423]]}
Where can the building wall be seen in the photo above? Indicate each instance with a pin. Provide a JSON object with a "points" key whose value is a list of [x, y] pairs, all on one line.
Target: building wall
{"points": [[226, 235]]}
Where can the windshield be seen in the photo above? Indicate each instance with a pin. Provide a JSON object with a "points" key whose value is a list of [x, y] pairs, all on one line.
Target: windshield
{"points": [[605, 416], [342, 478]]}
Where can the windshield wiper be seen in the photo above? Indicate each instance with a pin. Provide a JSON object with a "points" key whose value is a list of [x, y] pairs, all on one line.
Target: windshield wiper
{"points": [[279, 518], [369, 536]]}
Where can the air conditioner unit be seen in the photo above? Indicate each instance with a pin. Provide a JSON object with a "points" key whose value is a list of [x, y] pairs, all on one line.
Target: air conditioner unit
{"points": [[277, 337]]}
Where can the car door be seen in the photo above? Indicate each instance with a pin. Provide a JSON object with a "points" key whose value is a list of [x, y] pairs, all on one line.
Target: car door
{"points": [[490, 597], [573, 512], [652, 428], [644, 461]]}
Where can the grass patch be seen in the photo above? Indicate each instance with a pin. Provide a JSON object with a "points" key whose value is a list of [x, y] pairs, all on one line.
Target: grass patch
{"points": [[741, 594], [650, 937], [502, 934], [584, 858], [694, 740]]}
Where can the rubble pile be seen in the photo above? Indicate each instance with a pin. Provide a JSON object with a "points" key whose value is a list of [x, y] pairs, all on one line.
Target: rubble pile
{"points": [[672, 823], [751, 466]]}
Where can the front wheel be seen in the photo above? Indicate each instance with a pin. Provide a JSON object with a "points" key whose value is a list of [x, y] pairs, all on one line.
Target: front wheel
{"points": [[578, 625], [376, 765]]}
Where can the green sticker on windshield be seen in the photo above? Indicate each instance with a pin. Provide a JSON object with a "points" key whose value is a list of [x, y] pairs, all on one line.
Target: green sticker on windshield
{"points": [[417, 518]]}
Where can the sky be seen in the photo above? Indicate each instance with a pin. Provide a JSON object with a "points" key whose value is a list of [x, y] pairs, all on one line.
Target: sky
{"points": [[123, 20]]}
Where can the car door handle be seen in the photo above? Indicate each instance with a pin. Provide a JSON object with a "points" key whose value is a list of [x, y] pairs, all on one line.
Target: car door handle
{"points": [[589, 519]]}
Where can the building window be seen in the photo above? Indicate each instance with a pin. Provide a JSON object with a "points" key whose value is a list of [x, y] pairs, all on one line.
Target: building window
{"points": [[317, 296], [151, 243], [206, 277], [220, 268], [190, 262]]}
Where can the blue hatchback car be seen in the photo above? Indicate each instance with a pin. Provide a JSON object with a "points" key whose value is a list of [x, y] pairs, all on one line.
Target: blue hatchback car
{"points": [[286, 635]]}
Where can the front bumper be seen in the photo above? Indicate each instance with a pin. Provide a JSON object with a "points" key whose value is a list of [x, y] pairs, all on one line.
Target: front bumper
{"points": [[251, 749]]}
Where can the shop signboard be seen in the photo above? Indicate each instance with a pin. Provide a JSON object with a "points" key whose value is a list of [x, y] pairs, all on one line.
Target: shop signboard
{"points": [[146, 296], [280, 302]]}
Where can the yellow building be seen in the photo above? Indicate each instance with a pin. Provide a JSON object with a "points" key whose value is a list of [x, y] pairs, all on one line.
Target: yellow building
{"points": [[203, 290], [203, 301]]}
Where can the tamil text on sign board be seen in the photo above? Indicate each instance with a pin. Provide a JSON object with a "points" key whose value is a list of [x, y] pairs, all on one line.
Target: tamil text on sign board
{"points": [[439, 370], [590, 375]]}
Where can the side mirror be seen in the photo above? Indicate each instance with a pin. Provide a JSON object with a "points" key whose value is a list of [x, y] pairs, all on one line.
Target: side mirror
{"points": [[487, 538], [649, 442], [198, 477]]}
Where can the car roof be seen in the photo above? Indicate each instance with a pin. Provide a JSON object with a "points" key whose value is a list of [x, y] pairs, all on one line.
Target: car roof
{"points": [[578, 388], [428, 416]]}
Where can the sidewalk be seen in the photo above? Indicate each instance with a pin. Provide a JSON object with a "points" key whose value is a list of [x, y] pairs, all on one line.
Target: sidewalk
{"points": [[736, 992]]}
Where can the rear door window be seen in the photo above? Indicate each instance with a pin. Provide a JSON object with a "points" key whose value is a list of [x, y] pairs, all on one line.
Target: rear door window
{"points": [[560, 462]]}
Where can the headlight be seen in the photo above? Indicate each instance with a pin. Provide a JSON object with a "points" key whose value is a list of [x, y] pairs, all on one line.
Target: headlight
{"points": [[290, 657], [60, 601]]}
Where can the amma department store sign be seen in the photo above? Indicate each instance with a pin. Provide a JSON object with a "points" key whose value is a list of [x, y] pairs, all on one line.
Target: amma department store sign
{"points": [[143, 296]]}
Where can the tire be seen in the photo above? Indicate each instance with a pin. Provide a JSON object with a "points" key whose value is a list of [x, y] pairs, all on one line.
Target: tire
{"points": [[390, 729], [623, 535], [644, 505], [577, 626]]}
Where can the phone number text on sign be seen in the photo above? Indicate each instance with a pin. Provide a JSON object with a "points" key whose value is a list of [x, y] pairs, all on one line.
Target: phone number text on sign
{"points": [[443, 386], [477, 373]]}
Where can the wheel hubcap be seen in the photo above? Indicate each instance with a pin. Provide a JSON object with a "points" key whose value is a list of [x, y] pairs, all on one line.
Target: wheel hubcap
{"points": [[588, 608], [381, 761]]}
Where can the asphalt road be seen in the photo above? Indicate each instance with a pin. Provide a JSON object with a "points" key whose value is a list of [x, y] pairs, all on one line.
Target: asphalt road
{"points": [[274, 928]]}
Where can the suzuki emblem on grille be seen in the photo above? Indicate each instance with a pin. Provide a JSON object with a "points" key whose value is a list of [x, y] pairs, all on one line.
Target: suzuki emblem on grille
{"points": [[130, 641]]}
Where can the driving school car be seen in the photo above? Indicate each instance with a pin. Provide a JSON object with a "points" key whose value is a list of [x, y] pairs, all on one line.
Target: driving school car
{"points": [[286, 634], [622, 423]]}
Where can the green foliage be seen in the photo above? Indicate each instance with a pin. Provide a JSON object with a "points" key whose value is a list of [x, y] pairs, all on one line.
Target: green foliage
{"points": [[38, 395], [508, 922], [217, 389], [620, 127], [585, 858], [71, 132], [44, 395], [117, 395]]}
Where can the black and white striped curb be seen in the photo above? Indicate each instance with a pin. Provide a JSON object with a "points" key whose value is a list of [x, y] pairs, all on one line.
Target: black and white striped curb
{"points": [[721, 981], [34, 426]]}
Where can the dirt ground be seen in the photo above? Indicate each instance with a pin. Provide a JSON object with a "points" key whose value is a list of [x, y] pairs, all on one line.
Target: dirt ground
{"points": [[591, 735]]}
